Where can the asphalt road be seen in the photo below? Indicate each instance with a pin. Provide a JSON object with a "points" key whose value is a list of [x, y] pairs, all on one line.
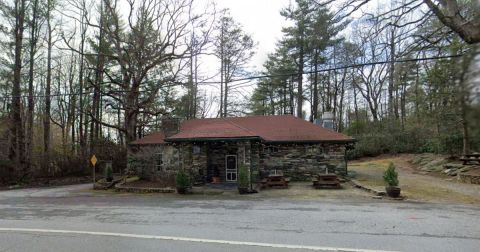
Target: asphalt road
{"points": [[75, 219]]}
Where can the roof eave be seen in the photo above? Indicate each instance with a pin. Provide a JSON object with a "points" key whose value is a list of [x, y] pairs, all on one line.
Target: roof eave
{"points": [[212, 139], [143, 144], [343, 141]]}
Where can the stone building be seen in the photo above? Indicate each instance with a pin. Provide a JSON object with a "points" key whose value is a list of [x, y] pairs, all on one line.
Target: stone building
{"points": [[214, 149]]}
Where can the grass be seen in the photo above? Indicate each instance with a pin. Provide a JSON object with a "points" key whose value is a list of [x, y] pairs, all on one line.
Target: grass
{"points": [[414, 186], [371, 173]]}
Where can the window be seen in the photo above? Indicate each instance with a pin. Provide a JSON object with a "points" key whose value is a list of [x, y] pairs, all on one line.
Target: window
{"points": [[196, 150], [310, 149], [271, 149], [159, 161]]}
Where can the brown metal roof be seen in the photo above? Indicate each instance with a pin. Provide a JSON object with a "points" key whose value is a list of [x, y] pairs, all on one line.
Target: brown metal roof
{"points": [[155, 138], [284, 128]]}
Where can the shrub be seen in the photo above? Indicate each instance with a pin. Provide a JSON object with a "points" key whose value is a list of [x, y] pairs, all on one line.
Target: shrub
{"points": [[183, 180], [390, 176], [243, 181], [7, 169], [108, 172]]}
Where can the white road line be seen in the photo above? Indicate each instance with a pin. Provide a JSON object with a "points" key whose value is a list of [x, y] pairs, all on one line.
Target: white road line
{"points": [[186, 239]]}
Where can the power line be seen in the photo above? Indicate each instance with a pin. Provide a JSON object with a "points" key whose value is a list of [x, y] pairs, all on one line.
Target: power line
{"points": [[250, 78], [338, 68]]}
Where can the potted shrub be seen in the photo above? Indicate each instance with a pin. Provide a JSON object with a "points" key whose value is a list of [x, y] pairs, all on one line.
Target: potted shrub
{"points": [[108, 172], [390, 176], [182, 182], [243, 181]]}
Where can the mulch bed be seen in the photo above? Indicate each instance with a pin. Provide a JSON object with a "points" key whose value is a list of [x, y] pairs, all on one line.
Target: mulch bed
{"points": [[148, 184], [144, 186]]}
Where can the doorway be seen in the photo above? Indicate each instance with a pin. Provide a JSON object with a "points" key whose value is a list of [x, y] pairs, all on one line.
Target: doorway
{"points": [[231, 168]]}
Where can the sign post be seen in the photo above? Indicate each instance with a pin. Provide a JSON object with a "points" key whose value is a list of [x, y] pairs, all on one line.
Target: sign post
{"points": [[93, 160]]}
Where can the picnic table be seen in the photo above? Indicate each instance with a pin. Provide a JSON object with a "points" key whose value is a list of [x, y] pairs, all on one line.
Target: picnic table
{"points": [[469, 158], [326, 181], [276, 179]]}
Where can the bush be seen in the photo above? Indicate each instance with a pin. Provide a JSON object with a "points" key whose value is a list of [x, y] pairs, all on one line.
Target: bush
{"points": [[7, 174], [183, 180], [390, 176], [243, 181], [108, 172]]}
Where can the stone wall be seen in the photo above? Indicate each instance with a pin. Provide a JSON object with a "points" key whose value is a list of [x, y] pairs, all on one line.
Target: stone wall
{"points": [[300, 161], [143, 161], [469, 178], [204, 160], [193, 160], [218, 151]]}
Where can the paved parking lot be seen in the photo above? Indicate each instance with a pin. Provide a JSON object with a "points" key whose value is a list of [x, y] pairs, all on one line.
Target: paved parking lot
{"points": [[73, 218]]}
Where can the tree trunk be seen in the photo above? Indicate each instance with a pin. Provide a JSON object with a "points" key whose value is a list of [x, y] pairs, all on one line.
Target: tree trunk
{"points": [[17, 141], [225, 90], [81, 121], [222, 77], [46, 119], [72, 104], [31, 104], [292, 96], [315, 87], [300, 81], [391, 103]]}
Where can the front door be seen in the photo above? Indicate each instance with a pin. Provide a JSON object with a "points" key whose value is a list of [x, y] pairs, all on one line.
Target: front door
{"points": [[231, 168]]}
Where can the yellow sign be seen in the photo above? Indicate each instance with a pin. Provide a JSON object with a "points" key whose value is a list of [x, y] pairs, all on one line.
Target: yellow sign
{"points": [[93, 160]]}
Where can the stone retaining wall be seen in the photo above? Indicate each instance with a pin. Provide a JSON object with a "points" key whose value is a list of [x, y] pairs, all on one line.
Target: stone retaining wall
{"points": [[122, 188], [469, 178]]}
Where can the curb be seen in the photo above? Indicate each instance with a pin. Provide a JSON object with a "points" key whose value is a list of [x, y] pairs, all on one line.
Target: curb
{"points": [[365, 188], [121, 188]]}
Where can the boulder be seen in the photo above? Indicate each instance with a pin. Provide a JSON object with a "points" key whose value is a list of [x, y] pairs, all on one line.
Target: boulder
{"points": [[452, 166]]}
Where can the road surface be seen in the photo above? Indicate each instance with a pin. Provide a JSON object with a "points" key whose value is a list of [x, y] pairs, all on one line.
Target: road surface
{"points": [[72, 218]]}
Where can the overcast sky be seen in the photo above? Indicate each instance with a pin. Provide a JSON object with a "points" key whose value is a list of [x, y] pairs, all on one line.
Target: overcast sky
{"points": [[261, 19]]}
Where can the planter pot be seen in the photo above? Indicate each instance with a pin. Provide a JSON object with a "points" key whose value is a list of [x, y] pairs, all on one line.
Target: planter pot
{"points": [[393, 191], [243, 190], [181, 190], [215, 180]]}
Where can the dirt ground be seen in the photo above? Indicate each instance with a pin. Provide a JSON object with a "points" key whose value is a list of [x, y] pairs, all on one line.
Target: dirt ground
{"points": [[305, 190], [415, 185]]}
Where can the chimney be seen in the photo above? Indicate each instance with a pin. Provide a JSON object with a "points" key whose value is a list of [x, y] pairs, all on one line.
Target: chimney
{"points": [[170, 125], [327, 120]]}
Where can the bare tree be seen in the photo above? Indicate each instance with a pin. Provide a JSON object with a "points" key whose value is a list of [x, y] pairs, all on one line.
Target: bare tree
{"points": [[234, 48], [462, 17], [155, 36], [17, 153], [372, 76], [34, 35], [47, 116], [451, 15]]}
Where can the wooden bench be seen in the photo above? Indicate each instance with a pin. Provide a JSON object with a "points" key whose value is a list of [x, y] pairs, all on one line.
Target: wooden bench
{"points": [[326, 181], [470, 158]]}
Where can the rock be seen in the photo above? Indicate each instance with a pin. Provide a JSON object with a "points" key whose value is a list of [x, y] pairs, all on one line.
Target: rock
{"points": [[464, 169], [16, 186], [377, 197], [452, 165]]}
